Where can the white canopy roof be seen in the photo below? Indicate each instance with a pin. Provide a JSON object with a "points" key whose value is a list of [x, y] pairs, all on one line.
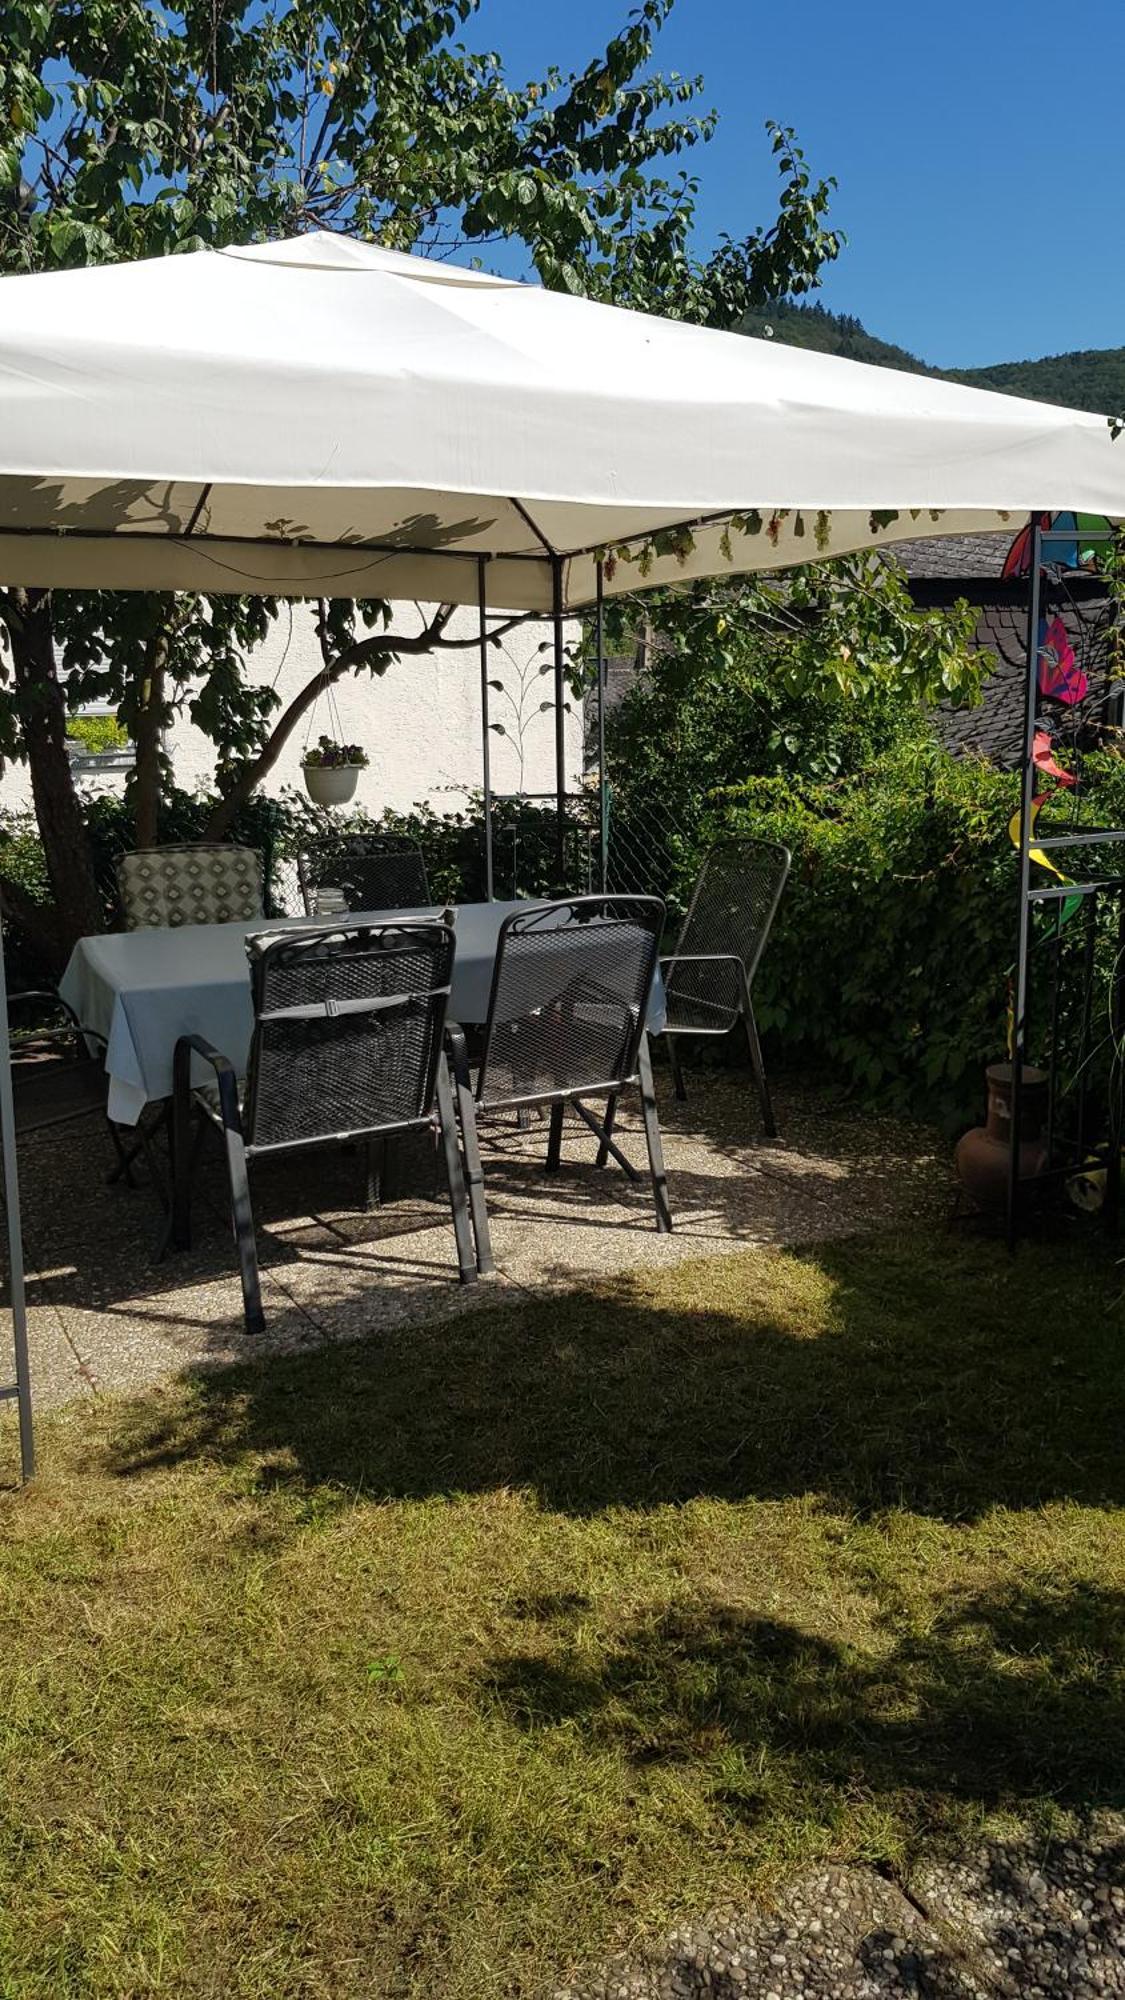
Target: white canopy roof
{"points": [[323, 417]]}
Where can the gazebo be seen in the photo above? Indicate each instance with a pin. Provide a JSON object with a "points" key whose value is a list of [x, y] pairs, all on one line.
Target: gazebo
{"points": [[322, 417]]}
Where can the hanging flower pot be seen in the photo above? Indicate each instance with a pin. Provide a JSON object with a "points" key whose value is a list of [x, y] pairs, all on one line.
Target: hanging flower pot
{"points": [[331, 771]]}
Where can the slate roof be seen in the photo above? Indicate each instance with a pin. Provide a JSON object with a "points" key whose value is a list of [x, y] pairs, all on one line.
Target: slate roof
{"points": [[955, 555], [941, 568]]}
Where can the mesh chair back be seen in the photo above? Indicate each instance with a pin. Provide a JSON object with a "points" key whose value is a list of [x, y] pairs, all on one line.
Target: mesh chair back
{"points": [[162, 888], [569, 997], [732, 907], [347, 1030], [363, 871]]}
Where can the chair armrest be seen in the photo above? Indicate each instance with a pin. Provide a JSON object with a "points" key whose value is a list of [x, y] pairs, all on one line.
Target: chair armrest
{"points": [[68, 1025], [47, 993], [458, 1049], [728, 958], [702, 958], [226, 1076], [198, 1045]]}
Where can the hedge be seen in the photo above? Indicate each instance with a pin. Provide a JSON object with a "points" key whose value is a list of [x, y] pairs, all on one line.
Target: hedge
{"points": [[891, 952]]}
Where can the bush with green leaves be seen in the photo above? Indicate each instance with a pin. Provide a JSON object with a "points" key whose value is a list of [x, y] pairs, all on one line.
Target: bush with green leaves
{"points": [[97, 734], [811, 674], [890, 956]]}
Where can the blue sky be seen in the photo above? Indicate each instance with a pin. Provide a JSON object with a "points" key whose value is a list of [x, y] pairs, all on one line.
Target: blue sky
{"points": [[979, 149]]}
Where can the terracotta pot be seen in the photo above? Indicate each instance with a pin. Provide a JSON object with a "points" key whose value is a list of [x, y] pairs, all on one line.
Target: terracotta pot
{"points": [[331, 784], [983, 1156]]}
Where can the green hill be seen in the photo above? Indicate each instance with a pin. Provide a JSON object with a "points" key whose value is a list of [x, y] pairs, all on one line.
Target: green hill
{"points": [[1093, 378], [1089, 379], [831, 333]]}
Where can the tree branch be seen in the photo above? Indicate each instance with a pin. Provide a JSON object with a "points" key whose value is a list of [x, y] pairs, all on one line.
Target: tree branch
{"points": [[365, 652]]}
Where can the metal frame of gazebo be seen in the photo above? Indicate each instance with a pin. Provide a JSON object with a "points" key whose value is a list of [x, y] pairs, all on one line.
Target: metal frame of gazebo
{"points": [[1033, 896]]}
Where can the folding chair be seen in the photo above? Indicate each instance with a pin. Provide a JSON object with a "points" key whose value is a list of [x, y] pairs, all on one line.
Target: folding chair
{"points": [[566, 1022], [709, 976], [347, 1046], [362, 871]]}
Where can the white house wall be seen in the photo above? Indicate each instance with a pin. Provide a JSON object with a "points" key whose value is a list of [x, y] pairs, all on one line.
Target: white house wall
{"points": [[419, 723]]}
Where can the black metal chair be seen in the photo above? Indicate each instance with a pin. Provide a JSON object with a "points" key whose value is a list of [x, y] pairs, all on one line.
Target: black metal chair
{"points": [[709, 976], [566, 1022], [347, 1046], [202, 882], [362, 871], [55, 1076], [58, 1078]]}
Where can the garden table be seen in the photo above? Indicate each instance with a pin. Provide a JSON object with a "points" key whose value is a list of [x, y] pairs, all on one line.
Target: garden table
{"points": [[143, 989]]}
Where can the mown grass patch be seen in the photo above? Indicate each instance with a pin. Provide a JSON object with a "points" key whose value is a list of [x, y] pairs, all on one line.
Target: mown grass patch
{"points": [[446, 1661]]}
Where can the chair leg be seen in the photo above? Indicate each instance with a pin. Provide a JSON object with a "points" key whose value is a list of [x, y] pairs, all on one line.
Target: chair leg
{"points": [[123, 1171], [757, 1065], [606, 1145], [140, 1142], [242, 1215], [653, 1140], [554, 1139], [458, 1202], [148, 1134], [183, 1153], [467, 1115], [607, 1130], [677, 1070], [375, 1168]]}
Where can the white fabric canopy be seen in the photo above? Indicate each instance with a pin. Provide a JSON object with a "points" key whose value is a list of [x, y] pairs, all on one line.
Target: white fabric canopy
{"points": [[328, 418]]}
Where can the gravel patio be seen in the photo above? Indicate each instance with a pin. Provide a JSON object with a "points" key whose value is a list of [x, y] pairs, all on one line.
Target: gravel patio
{"points": [[105, 1314]]}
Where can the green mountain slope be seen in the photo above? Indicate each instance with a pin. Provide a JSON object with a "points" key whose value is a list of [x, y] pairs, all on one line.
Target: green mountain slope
{"points": [[830, 333], [1089, 379]]}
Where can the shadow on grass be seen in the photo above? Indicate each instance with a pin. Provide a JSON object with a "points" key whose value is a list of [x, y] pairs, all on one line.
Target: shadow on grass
{"points": [[942, 1377], [1012, 1701], [1008, 1697]]}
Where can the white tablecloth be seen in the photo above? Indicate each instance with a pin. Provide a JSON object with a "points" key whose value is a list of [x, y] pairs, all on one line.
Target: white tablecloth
{"points": [[143, 989]]}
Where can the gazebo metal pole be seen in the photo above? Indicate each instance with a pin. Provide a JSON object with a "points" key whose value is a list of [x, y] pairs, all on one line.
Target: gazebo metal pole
{"points": [[560, 721], [603, 791], [22, 1387], [1023, 944], [485, 746]]}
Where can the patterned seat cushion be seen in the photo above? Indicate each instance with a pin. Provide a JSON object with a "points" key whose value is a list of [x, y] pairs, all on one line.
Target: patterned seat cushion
{"points": [[163, 888]]}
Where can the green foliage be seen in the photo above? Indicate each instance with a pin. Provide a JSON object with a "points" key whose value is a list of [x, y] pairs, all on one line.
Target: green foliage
{"points": [[887, 960], [263, 823], [813, 325], [1090, 379], [452, 843], [890, 956], [325, 755], [97, 733], [809, 675]]}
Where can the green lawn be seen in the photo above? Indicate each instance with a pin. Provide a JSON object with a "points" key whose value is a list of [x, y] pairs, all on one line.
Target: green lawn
{"points": [[437, 1665]]}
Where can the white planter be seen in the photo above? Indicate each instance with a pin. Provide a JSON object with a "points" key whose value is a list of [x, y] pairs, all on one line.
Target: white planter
{"points": [[331, 784]]}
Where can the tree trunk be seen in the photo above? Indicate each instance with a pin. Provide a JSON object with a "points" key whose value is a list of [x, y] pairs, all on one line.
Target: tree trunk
{"points": [[146, 737], [62, 828]]}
